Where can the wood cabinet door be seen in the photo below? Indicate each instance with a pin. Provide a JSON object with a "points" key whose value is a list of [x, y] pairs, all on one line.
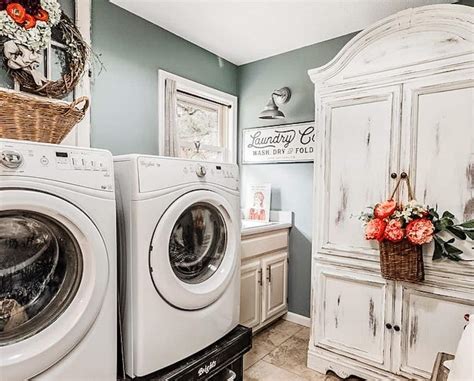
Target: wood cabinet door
{"points": [[357, 151], [438, 153], [431, 320], [275, 284], [352, 310], [250, 293]]}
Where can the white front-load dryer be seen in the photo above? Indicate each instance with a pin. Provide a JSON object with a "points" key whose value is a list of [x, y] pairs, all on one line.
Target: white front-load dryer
{"points": [[181, 251], [57, 263]]}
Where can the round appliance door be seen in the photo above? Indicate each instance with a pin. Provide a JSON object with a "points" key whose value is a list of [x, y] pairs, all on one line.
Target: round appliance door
{"points": [[53, 277], [194, 250]]}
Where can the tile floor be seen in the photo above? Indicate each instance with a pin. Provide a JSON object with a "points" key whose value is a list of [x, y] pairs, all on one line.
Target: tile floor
{"points": [[279, 354]]}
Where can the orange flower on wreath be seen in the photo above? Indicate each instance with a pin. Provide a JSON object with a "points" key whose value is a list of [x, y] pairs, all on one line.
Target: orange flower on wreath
{"points": [[42, 15], [17, 12], [30, 22]]}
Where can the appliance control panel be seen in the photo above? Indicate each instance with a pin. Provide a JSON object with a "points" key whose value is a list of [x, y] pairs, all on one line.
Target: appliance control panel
{"points": [[157, 173], [89, 168]]}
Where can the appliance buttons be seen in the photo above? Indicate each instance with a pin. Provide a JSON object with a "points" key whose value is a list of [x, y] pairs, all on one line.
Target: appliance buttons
{"points": [[200, 171], [44, 161], [11, 159], [77, 163]]}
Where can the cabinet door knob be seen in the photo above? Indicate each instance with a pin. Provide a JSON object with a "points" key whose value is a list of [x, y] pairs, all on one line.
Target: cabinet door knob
{"points": [[393, 175], [403, 175], [396, 328], [388, 325]]}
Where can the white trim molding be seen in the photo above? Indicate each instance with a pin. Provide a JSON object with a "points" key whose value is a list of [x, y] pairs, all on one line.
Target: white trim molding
{"points": [[201, 90], [298, 319], [83, 21]]}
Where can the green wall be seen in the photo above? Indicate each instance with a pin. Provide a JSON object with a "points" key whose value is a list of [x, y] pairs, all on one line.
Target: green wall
{"points": [[292, 184], [125, 95]]}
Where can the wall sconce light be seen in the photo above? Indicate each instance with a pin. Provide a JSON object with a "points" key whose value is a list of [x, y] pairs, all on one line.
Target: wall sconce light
{"points": [[271, 111]]}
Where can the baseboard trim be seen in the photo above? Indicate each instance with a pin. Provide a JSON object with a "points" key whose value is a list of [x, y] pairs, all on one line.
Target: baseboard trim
{"points": [[298, 319]]}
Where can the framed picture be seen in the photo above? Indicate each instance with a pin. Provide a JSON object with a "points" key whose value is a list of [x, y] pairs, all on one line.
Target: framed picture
{"points": [[279, 144], [257, 202]]}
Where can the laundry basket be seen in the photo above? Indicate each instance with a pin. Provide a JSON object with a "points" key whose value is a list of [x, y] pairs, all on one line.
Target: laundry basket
{"points": [[38, 119]]}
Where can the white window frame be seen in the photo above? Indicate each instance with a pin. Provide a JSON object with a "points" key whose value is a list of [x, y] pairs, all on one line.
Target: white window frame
{"points": [[199, 90]]}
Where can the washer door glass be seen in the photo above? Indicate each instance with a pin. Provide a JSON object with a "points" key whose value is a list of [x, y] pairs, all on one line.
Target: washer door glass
{"points": [[40, 272], [197, 244]]}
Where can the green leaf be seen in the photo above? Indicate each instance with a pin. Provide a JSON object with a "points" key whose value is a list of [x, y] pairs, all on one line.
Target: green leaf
{"points": [[470, 234], [452, 249], [457, 232], [468, 224], [438, 251], [448, 215], [434, 213]]}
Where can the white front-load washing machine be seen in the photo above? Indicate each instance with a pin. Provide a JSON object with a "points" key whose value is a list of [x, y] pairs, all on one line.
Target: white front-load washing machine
{"points": [[181, 245], [57, 263]]}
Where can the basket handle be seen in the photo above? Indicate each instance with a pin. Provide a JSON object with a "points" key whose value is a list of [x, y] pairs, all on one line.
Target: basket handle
{"points": [[405, 177], [78, 101]]}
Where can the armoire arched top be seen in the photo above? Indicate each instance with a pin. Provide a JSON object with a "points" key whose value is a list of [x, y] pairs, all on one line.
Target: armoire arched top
{"points": [[410, 43]]}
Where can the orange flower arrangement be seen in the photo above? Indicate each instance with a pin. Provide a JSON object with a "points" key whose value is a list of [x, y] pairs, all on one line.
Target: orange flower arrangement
{"points": [[419, 224], [17, 12]]}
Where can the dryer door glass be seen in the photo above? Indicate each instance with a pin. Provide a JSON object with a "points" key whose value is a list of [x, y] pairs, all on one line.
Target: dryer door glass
{"points": [[197, 243], [40, 272]]}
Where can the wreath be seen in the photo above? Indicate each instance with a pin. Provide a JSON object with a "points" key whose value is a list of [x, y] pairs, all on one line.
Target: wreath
{"points": [[25, 31]]}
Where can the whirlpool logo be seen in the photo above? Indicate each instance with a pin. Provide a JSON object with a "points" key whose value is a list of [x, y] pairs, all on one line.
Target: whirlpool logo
{"points": [[207, 368]]}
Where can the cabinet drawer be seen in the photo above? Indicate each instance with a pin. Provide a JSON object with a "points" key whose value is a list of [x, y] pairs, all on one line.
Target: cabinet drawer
{"points": [[264, 243]]}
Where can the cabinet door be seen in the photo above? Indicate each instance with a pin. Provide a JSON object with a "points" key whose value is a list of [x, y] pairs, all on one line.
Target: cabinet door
{"points": [[431, 320], [358, 151], [351, 312], [275, 275], [250, 293], [438, 150]]}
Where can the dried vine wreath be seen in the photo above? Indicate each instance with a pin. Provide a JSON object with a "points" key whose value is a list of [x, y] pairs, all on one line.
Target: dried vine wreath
{"points": [[77, 53]]}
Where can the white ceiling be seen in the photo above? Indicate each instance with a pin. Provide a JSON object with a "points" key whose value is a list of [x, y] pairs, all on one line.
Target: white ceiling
{"points": [[243, 31]]}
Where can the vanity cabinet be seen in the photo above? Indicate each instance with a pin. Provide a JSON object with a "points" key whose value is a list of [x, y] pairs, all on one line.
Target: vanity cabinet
{"points": [[264, 278], [398, 98]]}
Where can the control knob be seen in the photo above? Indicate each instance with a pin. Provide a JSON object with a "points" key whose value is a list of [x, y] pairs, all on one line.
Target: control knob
{"points": [[201, 171], [11, 159]]}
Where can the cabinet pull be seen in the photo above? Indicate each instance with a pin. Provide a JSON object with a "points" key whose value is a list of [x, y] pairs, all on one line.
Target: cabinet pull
{"points": [[260, 280], [396, 328], [269, 270], [393, 175], [388, 325]]}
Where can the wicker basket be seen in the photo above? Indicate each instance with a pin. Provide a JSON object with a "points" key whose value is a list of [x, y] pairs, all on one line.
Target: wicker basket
{"points": [[401, 261], [27, 117]]}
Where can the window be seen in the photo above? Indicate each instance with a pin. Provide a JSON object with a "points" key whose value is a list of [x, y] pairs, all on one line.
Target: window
{"points": [[203, 124]]}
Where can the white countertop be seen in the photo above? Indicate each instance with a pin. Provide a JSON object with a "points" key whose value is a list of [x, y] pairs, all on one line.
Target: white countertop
{"points": [[278, 220]]}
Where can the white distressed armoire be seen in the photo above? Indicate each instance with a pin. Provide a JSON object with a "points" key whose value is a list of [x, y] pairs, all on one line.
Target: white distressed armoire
{"points": [[399, 97]]}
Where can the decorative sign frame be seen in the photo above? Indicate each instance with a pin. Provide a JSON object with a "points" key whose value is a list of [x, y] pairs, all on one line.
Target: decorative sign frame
{"points": [[287, 143]]}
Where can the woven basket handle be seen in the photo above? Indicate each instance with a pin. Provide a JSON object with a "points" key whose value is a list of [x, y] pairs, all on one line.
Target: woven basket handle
{"points": [[405, 177], [78, 101]]}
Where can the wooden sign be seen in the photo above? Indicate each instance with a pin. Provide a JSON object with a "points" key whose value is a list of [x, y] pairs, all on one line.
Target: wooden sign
{"points": [[279, 144]]}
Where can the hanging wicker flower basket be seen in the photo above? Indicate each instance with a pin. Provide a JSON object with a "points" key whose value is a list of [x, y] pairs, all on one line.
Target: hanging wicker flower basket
{"points": [[38, 119], [402, 230]]}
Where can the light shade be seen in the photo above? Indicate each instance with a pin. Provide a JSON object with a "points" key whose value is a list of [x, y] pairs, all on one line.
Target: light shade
{"points": [[271, 110]]}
